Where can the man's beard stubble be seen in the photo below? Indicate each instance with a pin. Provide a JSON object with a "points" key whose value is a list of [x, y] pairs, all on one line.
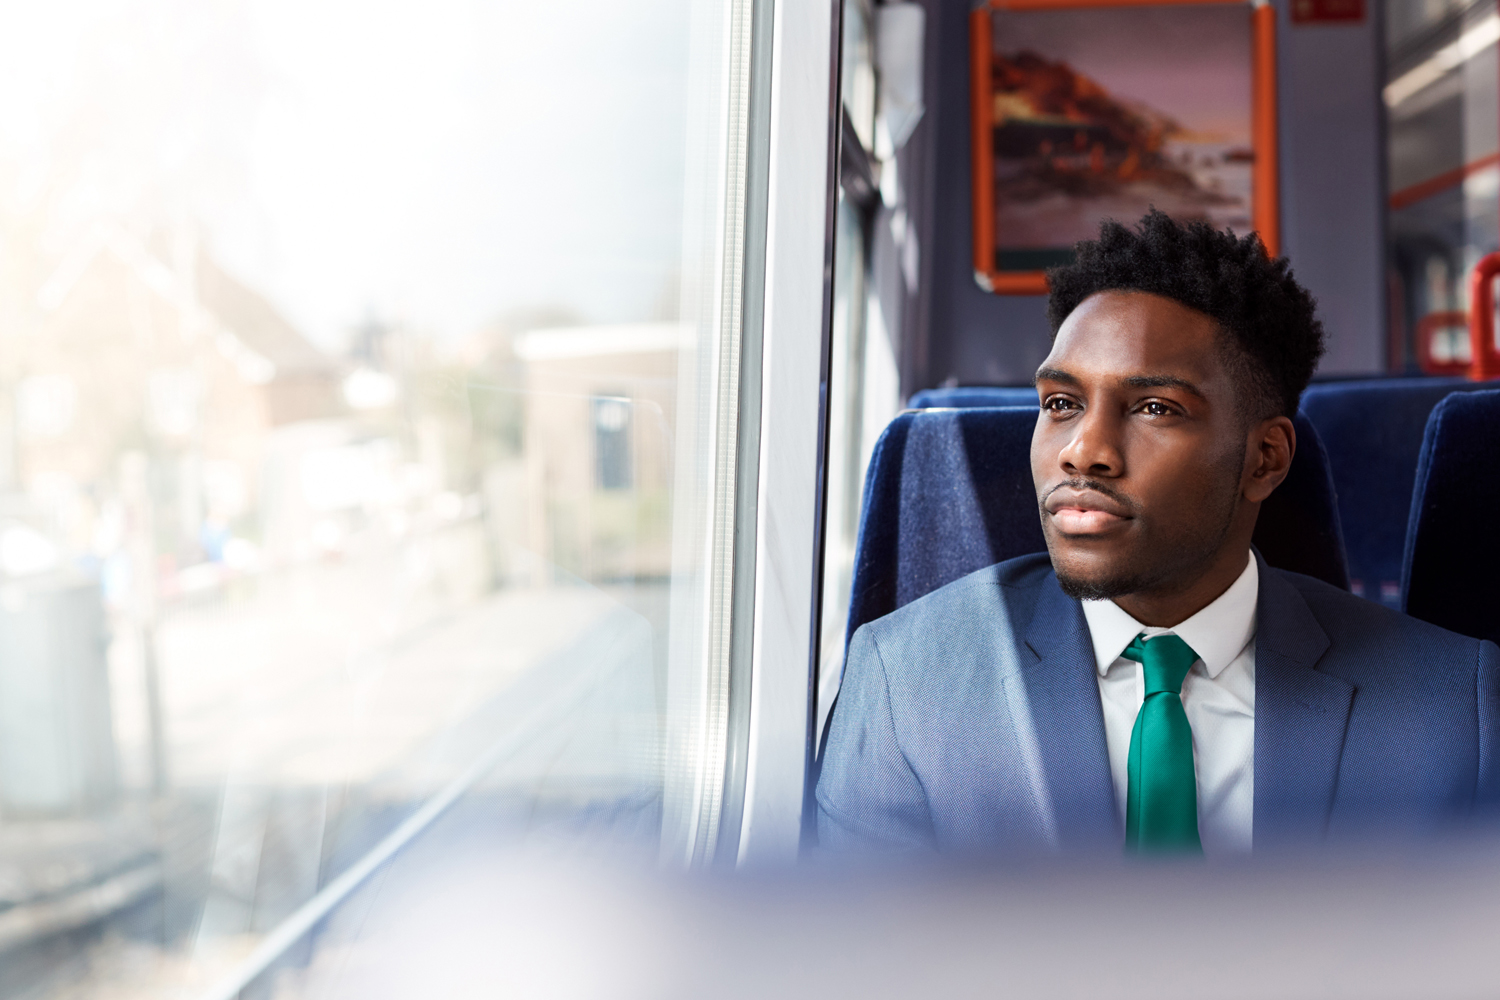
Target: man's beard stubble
{"points": [[1102, 590]]}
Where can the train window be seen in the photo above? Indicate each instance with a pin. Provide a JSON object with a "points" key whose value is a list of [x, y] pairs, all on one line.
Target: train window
{"points": [[877, 258], [1444, 173], [373, 451], [858, 69]]}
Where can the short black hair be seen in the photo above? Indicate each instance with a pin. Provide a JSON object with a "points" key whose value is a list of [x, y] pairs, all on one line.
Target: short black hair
{"points": [[1254, 298]]}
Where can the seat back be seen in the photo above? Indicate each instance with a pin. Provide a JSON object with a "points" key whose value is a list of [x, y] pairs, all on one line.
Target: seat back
{"points": [[1372, 430], [1449, 573], [950, 491]]}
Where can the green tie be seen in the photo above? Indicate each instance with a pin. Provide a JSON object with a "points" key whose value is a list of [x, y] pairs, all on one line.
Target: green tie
{"points": [[1161, 807]]}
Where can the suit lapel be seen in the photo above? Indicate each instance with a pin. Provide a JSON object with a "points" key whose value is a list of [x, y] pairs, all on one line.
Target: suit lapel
{"points": [[1063, 693], [1301, 717]]}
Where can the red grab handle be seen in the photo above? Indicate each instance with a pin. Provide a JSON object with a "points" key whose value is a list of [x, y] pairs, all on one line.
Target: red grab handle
{"points": [[1486, 363]]}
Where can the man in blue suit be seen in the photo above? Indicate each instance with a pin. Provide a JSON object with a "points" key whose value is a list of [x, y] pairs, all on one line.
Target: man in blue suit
{"points": [[1150, 681]]}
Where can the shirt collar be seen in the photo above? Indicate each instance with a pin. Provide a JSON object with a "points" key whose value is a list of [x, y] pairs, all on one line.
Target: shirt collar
{"points": [[1217, 633]]}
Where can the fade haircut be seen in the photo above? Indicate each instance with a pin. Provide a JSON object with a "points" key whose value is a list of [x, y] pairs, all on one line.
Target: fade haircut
{"points": [[1267, 319]]}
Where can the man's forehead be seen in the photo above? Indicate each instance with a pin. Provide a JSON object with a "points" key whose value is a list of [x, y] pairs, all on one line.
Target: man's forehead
{"points": [[1122, 334]]}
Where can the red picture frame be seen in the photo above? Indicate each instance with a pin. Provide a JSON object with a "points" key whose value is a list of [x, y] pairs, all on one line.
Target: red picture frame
{"points": [[1265, 206]]}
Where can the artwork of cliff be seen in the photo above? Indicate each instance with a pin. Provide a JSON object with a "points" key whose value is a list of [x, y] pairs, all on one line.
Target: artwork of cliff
{"points": [[1058, 131]]}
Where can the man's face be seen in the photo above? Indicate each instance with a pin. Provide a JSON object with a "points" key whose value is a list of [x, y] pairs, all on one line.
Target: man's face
{"points": [[1139, 449]]}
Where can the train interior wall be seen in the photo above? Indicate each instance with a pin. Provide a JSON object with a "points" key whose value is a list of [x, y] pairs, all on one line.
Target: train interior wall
{"points": [[1332, 169]]}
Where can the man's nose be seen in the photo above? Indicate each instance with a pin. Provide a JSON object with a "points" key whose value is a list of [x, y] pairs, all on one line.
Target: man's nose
{"points": [[1094, 448]]}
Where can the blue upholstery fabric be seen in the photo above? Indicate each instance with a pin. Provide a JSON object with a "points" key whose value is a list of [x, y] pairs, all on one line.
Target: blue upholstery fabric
{"points": [[1372, 430], [947, 493], [1299, 528], [1449, 572], [981, 395], [950, 491]]}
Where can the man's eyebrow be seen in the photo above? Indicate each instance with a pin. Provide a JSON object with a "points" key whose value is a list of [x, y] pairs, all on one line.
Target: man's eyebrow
{"points": [[1163, 382], [1054, 375]]}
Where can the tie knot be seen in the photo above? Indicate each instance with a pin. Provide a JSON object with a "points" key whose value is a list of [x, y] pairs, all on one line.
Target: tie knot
{"points": [[1166, 661]]}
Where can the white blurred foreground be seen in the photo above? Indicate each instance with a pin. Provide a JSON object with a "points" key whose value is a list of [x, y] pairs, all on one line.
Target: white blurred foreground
{"points": [[457, 919]]}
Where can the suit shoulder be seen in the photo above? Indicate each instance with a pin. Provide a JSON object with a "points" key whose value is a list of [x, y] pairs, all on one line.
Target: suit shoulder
{"points": [[1343, 614]]}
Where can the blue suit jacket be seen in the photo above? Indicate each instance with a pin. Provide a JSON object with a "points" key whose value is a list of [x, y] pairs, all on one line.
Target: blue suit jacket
{"points": [[970, 719]]}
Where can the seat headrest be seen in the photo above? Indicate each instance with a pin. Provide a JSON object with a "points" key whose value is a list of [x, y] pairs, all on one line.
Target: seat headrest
{"points": [[1449, 573], [1299, 527], [947, 492], [974, 395], [1373, 430]]}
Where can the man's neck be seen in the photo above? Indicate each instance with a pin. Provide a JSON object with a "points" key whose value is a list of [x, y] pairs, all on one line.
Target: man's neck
{"points": [[1166, 607]]}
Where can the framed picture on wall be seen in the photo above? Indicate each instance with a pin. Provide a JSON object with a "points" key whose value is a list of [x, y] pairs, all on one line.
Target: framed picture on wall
{"points": [[1086, 110]]}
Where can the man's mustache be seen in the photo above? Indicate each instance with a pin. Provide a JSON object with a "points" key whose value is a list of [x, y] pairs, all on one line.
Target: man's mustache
{"points": [[1082, 484]]}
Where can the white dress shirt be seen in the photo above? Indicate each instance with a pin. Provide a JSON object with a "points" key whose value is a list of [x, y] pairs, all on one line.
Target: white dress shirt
{"points": [[1218, 696]]}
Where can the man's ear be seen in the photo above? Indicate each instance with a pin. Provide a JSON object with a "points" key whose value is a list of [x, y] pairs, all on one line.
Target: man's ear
{"points": [[1268, 458]]}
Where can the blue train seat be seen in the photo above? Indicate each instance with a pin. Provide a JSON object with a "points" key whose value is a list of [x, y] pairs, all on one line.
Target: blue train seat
{"points": [[973, 395], [1373, 431], [949, 491], [1449, 572], [1299, 527]]}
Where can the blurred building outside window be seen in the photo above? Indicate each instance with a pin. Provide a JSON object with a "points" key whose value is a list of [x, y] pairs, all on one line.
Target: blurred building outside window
{"points": [[612, 453]]}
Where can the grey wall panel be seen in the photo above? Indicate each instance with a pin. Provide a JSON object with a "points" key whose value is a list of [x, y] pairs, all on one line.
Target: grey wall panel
{"points": [[1333, 190]]}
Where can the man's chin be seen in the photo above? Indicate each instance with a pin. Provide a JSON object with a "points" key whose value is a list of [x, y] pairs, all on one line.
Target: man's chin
{"points": [[1099, 588], [1088, 574], [1089, 577]]}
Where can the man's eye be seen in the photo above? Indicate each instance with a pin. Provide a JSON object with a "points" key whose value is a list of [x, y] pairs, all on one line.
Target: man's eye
{"points": [[1156, 409], [1059, 403]]}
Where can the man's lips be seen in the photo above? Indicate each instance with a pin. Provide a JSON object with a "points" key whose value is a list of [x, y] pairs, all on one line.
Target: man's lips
{"points": [[1084, 512], [1075, 521]]}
